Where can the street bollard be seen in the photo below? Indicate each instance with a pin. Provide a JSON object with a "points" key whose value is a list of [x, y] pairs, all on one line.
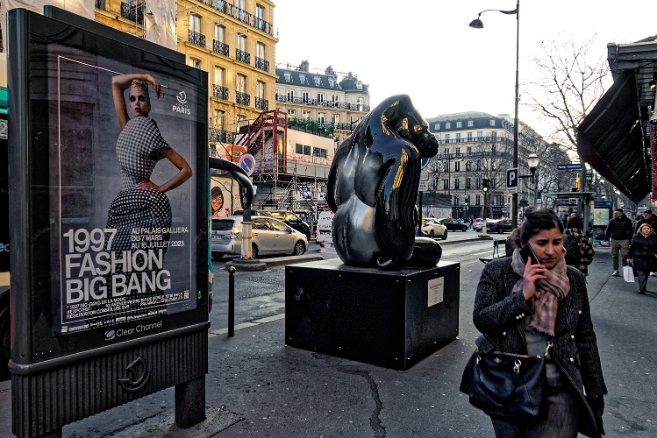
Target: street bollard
{"points": [[231, 300]]}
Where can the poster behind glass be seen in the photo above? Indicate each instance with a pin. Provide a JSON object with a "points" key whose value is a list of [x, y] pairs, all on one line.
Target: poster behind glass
{"points": [[120, 253]]}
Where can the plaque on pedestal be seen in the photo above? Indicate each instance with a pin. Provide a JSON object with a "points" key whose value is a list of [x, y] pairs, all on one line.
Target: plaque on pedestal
{"points": [[392, 319]]}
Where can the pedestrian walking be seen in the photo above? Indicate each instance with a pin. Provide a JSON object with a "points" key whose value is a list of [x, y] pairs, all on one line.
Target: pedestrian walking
{"points": [[647, 218], [522, 307], [579, 250], [642, 254], [618, 234]]}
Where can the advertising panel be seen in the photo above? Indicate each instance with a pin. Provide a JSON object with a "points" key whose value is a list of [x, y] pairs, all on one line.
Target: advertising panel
{"points": [[116, 186], [225, 196]]}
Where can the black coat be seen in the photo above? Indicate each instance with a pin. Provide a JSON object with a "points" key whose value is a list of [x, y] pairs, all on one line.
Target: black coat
{"points": [[500, 315], [642, 252]]}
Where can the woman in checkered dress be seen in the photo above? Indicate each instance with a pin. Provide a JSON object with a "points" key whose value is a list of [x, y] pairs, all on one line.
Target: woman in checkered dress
{"points": [[141, 203]]}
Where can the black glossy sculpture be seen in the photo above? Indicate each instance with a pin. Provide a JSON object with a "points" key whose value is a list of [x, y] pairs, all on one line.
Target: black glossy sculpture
{"points": [[373, 184]]}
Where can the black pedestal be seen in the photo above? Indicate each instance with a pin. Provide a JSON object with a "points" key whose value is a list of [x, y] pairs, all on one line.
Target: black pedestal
{"points": [[391, 319]]}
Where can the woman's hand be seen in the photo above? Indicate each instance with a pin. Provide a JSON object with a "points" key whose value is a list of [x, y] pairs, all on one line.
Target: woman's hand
{"points": [[148, 185], [532, 273], [155, 84]]}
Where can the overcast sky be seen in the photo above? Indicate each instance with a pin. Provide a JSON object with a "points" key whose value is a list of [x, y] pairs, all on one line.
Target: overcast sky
{"points": [[425, 48]]}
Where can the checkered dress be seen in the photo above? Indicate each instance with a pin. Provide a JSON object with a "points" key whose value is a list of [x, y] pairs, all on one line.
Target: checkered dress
{"points": [[138, 148]]}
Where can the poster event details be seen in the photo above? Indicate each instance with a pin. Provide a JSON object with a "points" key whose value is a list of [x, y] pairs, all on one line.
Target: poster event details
{"points": [[121, 249]]}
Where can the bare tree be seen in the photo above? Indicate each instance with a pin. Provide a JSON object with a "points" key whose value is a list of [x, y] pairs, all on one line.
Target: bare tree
{"points": [[570, 85]]}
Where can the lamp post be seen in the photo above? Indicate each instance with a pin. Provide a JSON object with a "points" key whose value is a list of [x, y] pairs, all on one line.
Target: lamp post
{"points": [[478, 24]]}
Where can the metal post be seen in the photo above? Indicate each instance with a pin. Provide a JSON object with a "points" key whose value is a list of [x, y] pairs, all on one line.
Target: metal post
{"points": [[514, 197], [231, 300]]}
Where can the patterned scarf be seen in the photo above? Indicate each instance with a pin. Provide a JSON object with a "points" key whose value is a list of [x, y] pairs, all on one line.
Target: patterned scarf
{"points": [[549, 291]]}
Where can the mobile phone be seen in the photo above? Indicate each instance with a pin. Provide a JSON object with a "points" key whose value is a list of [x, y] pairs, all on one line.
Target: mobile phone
{"points": [[527, 252]]}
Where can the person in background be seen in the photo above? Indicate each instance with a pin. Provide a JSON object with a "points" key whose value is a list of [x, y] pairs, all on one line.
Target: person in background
{"points": [[642, 254], [573, 221], [618, 234], [522, 307], [646, 218], [579, 250]]}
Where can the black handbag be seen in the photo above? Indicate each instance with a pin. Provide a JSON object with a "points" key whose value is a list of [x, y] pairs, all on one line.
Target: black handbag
{"points": [[507, 385]]}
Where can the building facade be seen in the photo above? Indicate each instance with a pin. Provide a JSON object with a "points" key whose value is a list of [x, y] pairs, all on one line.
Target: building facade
{"points": [[476, 146], [328, 101]]}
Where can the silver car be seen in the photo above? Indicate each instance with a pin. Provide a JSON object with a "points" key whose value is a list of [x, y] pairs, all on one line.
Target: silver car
{"points": [[270, 236]]}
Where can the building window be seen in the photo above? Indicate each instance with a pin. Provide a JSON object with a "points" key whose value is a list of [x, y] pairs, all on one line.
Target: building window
{"points": [[219, 33], [321, 117], [306, 150], [477, 199], [445, 184], [469, 136], [336, 119], [478, 167], [290, 96], [302, 78], [287, 77], [299, 148], [260, 50], [219, 120], [458, 137], [219, 76], [492, 122], [306, 115], [457, 166], [469, 151], [240, 83], [448, 125], [319, 152], [306, 97], [195, 23], [196, 63], [318, 80], [459, 125], [447, 138], [468, 183], [260, 17], [480, 135], [260, 89], [457, 152], [446, 166], [320, 98], [241, 42], [436, 127], [457, 184], [292, 112], [470, 123], [468, 166]]}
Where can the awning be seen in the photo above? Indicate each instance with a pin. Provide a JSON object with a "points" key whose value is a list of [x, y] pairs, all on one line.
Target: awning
{"points": [[611, 139]]}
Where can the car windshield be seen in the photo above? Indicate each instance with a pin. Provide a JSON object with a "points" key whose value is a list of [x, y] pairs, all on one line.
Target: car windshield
{"points": [[222, 224]]}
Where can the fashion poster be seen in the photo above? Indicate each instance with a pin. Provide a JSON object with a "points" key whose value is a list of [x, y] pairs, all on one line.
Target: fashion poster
{"points": [[123, 222]]}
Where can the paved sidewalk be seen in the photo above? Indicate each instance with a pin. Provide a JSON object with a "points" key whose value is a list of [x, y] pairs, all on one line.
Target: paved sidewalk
{"points": [[258, 387]]}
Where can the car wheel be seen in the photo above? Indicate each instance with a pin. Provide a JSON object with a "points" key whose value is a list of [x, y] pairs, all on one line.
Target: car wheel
{"points": [[254, 251], [299, 248], [432, 234], [217, 255], [464, 229], [445, 235]]}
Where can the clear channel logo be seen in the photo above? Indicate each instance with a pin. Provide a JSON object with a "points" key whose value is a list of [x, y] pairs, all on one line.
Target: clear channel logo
{"points": [[118, 333]]}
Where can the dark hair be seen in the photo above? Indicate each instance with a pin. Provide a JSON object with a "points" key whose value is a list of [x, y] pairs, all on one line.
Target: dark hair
{"points": [[537, 221], [216, 192], [620, 210]]}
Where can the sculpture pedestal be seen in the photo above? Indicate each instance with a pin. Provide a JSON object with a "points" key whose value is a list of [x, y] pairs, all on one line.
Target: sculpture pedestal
{"points": [[392, 319]]}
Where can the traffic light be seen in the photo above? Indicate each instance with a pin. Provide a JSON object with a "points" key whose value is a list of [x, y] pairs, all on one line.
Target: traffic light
{"points": [[485, 185]]}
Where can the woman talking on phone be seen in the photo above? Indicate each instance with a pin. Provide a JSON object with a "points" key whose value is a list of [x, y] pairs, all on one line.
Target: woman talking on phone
{"points": [[524, 305]]}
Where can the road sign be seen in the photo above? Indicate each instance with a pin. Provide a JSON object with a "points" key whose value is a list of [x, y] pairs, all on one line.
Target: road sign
{"points": [[247, 162], [424, 161], [512, 180], [569, 166], [424, 186]]}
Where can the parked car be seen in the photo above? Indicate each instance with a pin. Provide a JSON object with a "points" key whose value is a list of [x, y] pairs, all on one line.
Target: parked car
{"points": [[498, 225], [433, 228], [453, 224], [289, 218], [270, 236]]}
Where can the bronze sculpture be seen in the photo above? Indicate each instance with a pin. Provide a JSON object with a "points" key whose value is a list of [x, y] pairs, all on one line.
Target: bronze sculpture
{"points": [[373, 184]]}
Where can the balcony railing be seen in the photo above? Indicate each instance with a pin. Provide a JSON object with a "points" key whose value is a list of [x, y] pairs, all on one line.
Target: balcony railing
{"points": [[324, 103], [220, 92], [197, 38], [240, 14], [215, 134], [242, 98], [133, 11], [262, 64], [261, 104], [220, 48], [243, 56]]}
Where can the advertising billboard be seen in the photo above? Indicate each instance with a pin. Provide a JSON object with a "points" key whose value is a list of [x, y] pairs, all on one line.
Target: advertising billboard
{"points": [[108, 166]]}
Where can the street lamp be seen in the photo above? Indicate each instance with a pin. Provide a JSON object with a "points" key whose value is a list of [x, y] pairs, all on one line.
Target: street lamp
{"points": [[478, 24]]}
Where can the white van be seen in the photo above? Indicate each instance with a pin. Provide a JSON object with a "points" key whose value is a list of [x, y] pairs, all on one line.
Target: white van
{"points": [[324, 232]]}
